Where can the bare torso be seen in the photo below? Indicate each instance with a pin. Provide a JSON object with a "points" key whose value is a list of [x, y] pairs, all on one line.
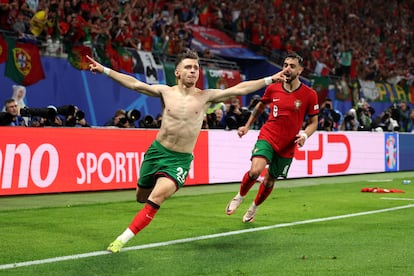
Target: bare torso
{"points": [[182, 117]]}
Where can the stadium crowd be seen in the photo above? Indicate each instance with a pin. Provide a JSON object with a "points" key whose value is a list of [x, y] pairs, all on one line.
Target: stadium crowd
{"points": [[370, 40], [365, 39]]}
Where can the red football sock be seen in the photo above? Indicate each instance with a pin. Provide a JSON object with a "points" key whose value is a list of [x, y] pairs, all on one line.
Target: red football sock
{"points": [[246, 184], [262, 194], [144, 217]]}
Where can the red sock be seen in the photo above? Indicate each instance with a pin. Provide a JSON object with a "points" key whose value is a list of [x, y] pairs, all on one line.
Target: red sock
{"points": [[144, 217], [262, 194], [246, 184]]}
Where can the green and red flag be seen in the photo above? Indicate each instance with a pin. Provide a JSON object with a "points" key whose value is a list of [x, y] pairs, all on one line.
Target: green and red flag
{"points": [[112, 55], [77, 57], [125, 60], [23, 63]]}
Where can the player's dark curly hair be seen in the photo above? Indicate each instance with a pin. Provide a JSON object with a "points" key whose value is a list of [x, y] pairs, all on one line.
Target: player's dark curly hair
{"points": [[295, 56]]}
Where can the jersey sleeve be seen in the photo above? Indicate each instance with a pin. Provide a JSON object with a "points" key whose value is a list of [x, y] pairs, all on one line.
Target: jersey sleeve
{"points": [[313, 108]]}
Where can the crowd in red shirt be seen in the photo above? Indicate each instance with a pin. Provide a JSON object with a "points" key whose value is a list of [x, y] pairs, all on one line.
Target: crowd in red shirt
{"points": [[354, 38]]}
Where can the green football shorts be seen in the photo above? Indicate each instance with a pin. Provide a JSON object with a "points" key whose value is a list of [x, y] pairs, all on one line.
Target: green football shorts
{"points": [[160, 161], [278, 166]]}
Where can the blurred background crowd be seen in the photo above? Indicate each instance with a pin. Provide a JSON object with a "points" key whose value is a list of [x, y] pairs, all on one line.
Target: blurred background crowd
{"points": [[369, 40]]}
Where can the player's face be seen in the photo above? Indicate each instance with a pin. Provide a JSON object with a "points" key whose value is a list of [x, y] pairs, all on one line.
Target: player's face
{"points": [[188, 71], [293, 69]]}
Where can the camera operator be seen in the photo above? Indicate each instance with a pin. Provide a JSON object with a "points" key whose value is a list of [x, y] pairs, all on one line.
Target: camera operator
{"points": [[124, 119], [385, 122], [235, 115], [158, 120], [73, 116], [350, 123], [328, 117], [215, 120], [40, 117], [149, 122], [11, 115], [365, 114], [118, 120], [263, 116]]}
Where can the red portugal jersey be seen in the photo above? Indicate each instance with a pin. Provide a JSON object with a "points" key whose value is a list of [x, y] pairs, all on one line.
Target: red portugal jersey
{"points": [[287, 114]]}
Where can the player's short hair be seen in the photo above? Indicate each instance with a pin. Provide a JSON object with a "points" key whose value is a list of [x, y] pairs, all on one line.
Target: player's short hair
{"points": [[187, 53], [295, 56]]}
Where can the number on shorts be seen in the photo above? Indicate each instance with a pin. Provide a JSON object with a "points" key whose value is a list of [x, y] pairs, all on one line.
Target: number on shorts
{"points": [[181, 174]]}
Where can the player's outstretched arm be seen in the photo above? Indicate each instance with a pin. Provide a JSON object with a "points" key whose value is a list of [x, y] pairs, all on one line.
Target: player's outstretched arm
{"points": [[245, 87], [123, 79]]}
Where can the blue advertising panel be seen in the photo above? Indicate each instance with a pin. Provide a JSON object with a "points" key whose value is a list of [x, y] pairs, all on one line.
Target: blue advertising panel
{"points": [[406, 151]]}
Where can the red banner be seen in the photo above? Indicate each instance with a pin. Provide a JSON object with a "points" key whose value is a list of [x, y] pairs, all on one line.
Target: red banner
{"points": [[50, 160], [3, 49]]}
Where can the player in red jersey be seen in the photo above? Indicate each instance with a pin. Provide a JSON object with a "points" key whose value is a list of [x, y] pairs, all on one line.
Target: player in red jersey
{"points": [[289, 103]]}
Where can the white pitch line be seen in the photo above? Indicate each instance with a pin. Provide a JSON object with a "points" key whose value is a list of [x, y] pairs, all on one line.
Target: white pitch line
{"points": [[205, 237], [398, 198]]}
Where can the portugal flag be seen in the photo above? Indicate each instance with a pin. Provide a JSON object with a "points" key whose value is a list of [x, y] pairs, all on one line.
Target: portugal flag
{"points": [[23, 63], [3, 50]]}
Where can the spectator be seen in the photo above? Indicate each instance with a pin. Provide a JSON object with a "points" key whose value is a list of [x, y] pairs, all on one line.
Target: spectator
{"points": [[11, 115], [39, 22], [387, 44], [371, 49], [404, 116], [21, 25], [345, 61], [8, 13], [274, 42]]}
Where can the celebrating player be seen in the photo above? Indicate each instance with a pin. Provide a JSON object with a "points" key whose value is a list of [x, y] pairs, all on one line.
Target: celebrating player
{"points": [[289, 102], [167, 161]]}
